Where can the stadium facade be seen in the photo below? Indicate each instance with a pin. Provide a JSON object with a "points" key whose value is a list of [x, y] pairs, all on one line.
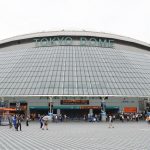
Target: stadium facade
{"points": [[74, 72]]}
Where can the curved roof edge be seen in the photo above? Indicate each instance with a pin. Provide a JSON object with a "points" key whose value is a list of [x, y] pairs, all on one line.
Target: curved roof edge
{"points": [[74, 33], [127, 96]]}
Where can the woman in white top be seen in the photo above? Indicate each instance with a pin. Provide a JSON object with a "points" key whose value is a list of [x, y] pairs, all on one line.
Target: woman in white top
{"points": [[111, 122]]}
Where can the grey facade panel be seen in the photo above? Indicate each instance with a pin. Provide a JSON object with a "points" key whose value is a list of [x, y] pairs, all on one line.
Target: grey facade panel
{"points": [[74, 70]]}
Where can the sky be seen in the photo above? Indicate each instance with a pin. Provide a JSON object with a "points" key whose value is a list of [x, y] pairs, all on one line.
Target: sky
{"points": [[130, 18]]}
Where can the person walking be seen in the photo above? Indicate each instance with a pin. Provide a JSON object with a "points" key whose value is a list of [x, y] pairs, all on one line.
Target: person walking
{"points": [[128, 118], [27, 121], [56, 118], [10, 121], [111, 121], [41, 121], [45, 122], [19, 123], [15, 122], [65, 117], [137, 117], [45, 125]]}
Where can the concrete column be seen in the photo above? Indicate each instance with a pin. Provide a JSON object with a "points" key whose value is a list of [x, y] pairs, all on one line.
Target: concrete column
{"points": [[91, 111], [28, 109], [8, 103], [103, 104], [58, 111]]}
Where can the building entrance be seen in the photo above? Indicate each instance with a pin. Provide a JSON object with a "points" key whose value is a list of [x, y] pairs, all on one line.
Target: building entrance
{"points": [[96, 111], [75, 114], [112, 110]]}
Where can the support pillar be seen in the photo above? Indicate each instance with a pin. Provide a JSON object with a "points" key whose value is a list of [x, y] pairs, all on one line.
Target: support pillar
{"points": [[91, 112], [28, 110], [58, 111], [103, 114]]}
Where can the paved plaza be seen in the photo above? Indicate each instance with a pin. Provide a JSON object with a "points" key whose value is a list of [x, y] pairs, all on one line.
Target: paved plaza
{"points": [[77, 136]]}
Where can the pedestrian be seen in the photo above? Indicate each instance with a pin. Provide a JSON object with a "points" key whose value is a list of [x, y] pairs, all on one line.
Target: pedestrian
{"points": [[111, 121], [15, 122], [19, 119], [65, 117], [114, 117], [45, 122], [133, 117], [122, 118], [27, 121], [128, 118], [137, 117], [56, 118], [10, 121], [45, 125], [60, 118], [41, 121]]}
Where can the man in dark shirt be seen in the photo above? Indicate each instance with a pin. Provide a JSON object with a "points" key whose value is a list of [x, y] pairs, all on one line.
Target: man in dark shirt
{"points": [[19, 122]]}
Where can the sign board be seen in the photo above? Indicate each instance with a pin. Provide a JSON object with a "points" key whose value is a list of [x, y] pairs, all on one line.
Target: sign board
{"points": [[67, 40], [130, 109], [74, 102], [76, 107]]}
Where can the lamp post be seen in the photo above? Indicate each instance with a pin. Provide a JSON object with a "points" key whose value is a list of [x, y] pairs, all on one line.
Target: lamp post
{"points": [[103, 113], [50, 104], [18, 107], [103, 104]]}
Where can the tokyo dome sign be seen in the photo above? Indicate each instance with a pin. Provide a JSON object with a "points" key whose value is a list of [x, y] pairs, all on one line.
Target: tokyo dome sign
{"points": [[66, 40]]}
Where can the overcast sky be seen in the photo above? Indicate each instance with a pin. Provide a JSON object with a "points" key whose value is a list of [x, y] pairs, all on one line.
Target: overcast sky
{"points": [[123, 17]]}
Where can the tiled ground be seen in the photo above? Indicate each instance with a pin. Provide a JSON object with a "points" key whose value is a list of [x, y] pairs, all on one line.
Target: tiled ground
{"points": [[77, 136]]}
